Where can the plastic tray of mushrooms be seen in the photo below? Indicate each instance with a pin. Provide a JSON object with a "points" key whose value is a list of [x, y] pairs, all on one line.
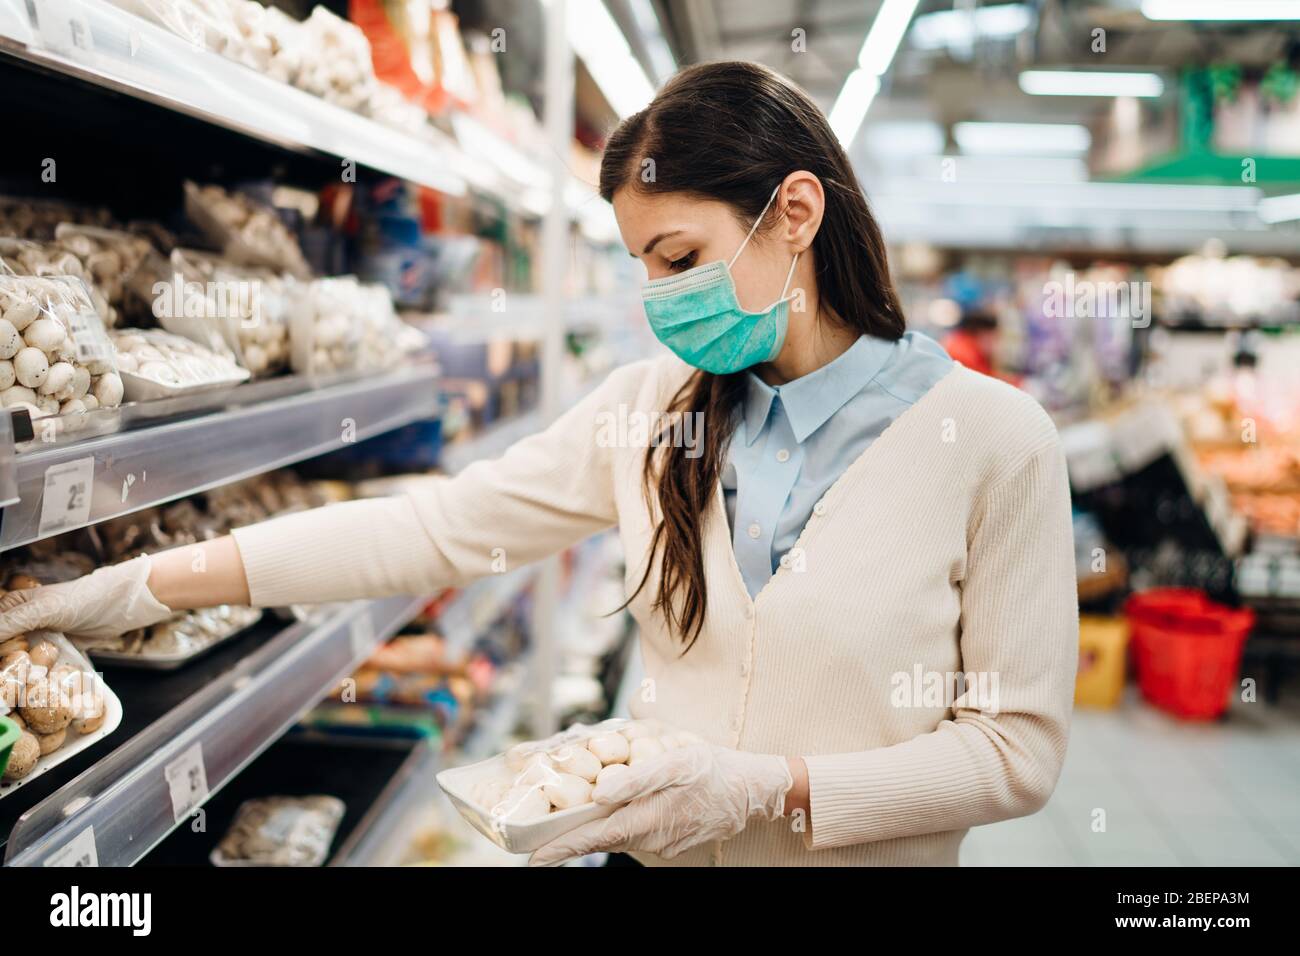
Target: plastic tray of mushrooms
{"points": [[60, 703]]}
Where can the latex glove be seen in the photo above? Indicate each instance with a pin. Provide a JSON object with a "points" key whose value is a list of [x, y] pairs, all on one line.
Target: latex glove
{"points": [[105, 603], [678, 800]]}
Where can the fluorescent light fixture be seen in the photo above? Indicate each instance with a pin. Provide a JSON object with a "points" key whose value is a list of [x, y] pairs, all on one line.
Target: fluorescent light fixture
{"points": [[1089, 83], [597, 39], [652, 35], [862, 85], [851, 105], [904, 137], [885, 34], [1035, 139], [1277, 209], [960, 28], [1221, 9]]}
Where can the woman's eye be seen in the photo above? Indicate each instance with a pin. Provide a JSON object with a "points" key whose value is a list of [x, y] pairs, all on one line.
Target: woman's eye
{"points": [[685, 262]]}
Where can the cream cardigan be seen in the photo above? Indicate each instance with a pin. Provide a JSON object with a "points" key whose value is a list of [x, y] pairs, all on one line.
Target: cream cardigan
{"points": [[944, 549]]}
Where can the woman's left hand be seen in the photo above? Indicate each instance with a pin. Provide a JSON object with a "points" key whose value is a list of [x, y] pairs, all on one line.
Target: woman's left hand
{"points": [[678, 800]]}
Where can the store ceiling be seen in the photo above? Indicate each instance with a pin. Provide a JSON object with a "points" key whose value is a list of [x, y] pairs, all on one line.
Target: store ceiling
{"points": [[932, 86]]}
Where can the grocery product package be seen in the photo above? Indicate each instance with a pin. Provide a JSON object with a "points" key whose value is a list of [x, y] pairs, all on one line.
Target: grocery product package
{"points": [[155, 364], [280, 831], [55, 356], [239, 310], [176, 641], [61, 705], [539, 790], [248, 233]]}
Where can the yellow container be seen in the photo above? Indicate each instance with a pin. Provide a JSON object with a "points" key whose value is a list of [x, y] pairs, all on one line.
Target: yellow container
{"points": [[1103, 642]]}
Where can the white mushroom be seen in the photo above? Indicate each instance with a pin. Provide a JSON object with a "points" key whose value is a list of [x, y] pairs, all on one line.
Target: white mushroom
{"points": [[609, 748], [18, 395], [31, 367], [10, 340], [611, 773], [7, 377], [59, 378], [45, 334], [577, 760], [569, 791], [108, 390], [80, 381], [22, 314]]}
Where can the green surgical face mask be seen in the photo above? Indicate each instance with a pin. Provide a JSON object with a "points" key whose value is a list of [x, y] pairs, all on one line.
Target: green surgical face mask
{"points": [[697, 315]]}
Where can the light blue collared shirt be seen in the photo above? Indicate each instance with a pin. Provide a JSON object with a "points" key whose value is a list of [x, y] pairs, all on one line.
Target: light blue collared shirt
{"points": [[792, 441]]}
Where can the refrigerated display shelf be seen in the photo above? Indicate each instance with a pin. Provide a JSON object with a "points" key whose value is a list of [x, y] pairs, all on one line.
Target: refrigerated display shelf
{"points": [[130, 470], [492, 442], [379, 781], [479, 604], [101, 44], [226, 710]]}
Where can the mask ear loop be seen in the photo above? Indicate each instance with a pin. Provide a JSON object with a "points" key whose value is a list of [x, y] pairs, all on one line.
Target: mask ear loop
{"points": [[754, 228], [788, 276]]}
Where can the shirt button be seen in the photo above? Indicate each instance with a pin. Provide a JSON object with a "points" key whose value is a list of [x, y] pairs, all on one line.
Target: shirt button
{"points": [[744, 668], [755, 530], [783, 455], [819, 509], [749, 611], [785, 560]]}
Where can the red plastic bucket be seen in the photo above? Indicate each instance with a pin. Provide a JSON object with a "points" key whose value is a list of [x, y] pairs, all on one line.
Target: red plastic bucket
{"points": [[1186, 649]]}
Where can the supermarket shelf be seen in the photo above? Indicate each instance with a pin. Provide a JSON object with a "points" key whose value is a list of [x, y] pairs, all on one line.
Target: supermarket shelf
{"points": [[479, 604], [377, 838], [136, 469], [122, 806], [127, 54], [493, 727], [493, 441]]}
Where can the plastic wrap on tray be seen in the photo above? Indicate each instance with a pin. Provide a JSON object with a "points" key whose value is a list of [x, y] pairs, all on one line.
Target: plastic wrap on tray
{"points": [[177, 639], [61, 704], [155, 364], [281, 831], [227, 308], [541, 789]]}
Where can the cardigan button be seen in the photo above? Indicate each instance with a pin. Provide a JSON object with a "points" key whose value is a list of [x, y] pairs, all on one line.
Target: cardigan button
{"points": [[819, 509]]}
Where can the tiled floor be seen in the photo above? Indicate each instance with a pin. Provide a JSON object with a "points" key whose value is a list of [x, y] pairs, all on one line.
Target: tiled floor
{"points": [[1140, 788]]}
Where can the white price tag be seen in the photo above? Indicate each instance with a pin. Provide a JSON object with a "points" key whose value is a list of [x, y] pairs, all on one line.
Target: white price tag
{"points": [[65, 502], [187, 780], [61, 25], [79, 851], [363, 635]]}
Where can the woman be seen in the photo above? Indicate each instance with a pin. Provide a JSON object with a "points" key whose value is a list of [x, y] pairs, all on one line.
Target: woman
{"points": [[856, 582]]}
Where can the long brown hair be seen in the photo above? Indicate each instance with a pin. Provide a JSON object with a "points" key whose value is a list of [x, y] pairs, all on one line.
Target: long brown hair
{"points": [[731, 132]]}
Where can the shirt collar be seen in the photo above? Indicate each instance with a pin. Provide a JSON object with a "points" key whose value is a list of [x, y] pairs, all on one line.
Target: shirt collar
{"points": [[811, 400]]}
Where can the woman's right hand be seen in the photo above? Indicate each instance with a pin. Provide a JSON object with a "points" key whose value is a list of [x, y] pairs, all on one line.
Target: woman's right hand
{"points": [[105, 603]]}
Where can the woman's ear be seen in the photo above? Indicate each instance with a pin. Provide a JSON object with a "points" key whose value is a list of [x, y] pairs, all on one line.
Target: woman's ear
{"points": [[803, 202]]}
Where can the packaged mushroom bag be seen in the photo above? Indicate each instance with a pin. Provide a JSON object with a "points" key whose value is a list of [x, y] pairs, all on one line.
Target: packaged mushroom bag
{"points": [[55, 356], [539, 790]]}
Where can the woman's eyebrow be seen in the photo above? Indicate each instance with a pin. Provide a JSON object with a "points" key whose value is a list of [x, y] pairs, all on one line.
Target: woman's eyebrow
{"points": [[657, 239]]}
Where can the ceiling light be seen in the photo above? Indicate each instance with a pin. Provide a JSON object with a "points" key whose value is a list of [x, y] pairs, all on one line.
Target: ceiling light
{"points": [[851, 105], [885, 34], [1038, 139], [862, 85], [961, 28], [1087, 83], [1221, 9], [597, 39]]}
